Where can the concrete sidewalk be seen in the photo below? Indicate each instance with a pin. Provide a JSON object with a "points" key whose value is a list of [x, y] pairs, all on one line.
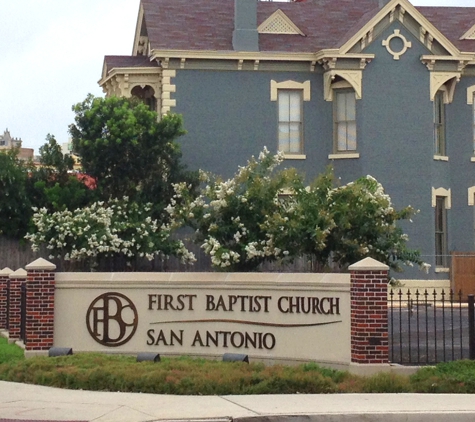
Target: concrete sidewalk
{"points": [[35, 403]]}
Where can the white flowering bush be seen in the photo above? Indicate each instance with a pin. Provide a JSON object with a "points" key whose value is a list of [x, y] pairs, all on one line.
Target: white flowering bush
{"points": [[266, 215], [366, 224], [120, 228], [229, 215]]}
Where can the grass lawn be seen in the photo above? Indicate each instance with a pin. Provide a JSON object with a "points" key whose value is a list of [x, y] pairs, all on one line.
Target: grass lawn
{"points": [[91, 371]]}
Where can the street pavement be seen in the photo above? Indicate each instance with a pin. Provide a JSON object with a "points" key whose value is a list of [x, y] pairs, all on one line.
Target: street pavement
{"points": [[23, 402]]}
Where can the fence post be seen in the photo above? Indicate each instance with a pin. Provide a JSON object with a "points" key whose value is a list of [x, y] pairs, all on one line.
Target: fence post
{"points": [[369, 312], [4, 277], [39, 307], [14, 317], [471, 327]]}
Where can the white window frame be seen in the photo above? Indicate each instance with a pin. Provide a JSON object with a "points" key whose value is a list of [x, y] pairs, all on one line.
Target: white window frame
{"points": [[343, 89], [440, 126], [441, 202], [286, 125], [304, 89]]}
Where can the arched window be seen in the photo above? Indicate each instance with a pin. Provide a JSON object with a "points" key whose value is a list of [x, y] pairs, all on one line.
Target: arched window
{"points": [[147, 95]]}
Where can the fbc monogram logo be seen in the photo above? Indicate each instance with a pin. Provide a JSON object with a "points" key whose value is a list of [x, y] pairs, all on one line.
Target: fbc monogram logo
{"points": [[112, 319]]}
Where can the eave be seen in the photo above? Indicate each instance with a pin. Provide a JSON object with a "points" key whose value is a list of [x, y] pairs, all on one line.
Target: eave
{"points": [[130, 71]]}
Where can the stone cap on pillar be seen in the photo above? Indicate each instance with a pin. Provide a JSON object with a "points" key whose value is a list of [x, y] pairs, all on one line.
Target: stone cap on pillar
{"points": [[368, 264], [5, 272], [20, 273], [41, 264]]}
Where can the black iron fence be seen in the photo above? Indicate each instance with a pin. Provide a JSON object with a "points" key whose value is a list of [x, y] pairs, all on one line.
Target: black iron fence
{"points": [[430, 327]]}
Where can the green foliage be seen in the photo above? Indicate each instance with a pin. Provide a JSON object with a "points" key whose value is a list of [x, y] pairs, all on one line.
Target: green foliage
{"points": [[15, 204], [9, 352], [127, 150], [172, 376], [53, 185], [187, 376], [98, 232], [387, 383], [455, 377], [228, 217], [266, 215]]}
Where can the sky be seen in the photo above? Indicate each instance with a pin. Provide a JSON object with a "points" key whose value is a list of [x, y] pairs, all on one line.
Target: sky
{"points": [[51, 56]]}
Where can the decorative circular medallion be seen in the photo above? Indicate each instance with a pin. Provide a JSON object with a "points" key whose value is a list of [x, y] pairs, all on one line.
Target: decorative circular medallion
{"points": [[112, 319], [405, 44]]}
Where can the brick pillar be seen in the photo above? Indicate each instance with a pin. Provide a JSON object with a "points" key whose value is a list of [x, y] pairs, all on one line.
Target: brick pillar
{"points": [[16, 280], [40, 306], [369, 312], [4, 277]]}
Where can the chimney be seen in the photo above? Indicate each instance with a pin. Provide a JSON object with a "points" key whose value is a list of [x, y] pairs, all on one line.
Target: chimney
{"points": [[245, 36]]}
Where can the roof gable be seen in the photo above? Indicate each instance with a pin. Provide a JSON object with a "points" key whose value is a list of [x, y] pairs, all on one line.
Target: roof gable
{"points": [[401, 10], [469, 35], [279, 23]]}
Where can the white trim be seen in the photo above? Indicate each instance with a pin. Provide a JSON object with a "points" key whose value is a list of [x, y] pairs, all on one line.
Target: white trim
{"points": [[442, 192], [138, 29], [352, 77], [469, 35], [389, 9], [441, 158], [278, 15], [441, 270], [470, 94], [471, 196], [405, 44], [445, 82], [290, 156], [343, 156], [275, 86]]}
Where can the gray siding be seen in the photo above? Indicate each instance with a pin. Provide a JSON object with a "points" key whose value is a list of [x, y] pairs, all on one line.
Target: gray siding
{"points": [[229, 117]]}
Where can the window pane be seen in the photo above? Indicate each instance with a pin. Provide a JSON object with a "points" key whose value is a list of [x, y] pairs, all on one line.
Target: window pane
{"points": [[284, 104], [345, 120], [290, 121], [341, 136], [294, 137], [284, 137], [340, 107], [351, 134], [441, 250], [295, 106], [439, 124], [473, 122], [350, 106]]}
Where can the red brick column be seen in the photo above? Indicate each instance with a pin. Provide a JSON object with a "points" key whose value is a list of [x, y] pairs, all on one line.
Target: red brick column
{"points": [[16, 280], [40, 305], [369, 312], [4, 277]]}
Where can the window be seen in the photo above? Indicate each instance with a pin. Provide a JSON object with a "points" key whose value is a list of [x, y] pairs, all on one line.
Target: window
{"points": [[439, 124], [290, 121], [473, 123], [344, 126], [441, 250]]}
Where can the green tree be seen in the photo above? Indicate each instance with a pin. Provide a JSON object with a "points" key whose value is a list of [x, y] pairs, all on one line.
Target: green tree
{"points": [[15, 205], [265, 215], [229, 216], [128, 151], [53, 185]]}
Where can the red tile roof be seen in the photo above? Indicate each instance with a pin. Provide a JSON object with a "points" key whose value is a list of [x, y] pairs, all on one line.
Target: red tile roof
{"points": [[453, 22], [208, 25], [128, 61]]}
